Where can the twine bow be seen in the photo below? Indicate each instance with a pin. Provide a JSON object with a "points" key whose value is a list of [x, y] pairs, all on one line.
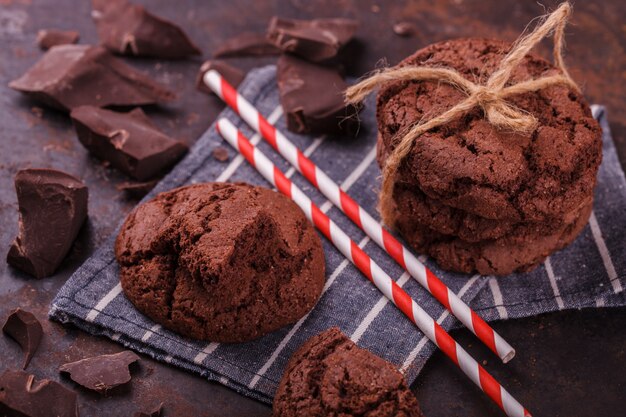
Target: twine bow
{"points": [[490, 97]]}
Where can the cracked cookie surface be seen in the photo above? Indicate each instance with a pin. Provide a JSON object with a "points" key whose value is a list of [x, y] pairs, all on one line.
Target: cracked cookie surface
{"points": [[331, 376], [220, 262]]}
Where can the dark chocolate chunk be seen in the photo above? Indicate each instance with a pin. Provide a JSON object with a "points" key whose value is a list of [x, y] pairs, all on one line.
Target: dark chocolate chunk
{"points": [[312, 97], [101, 373], [21, 397], [53, 207], [130, 29], [155, 413], [404, 29], [233, 75], [246, 44], [314, 40], [129, 141], [48, 38], [69, 76], [220, 153], [26, 330], [136, 189]]}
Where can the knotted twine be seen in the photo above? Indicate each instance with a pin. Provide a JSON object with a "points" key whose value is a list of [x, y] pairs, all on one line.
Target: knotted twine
{"points": [[491, 97]]}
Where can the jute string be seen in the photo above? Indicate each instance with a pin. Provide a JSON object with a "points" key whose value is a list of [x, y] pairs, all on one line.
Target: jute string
{"points": [[491, 97]]}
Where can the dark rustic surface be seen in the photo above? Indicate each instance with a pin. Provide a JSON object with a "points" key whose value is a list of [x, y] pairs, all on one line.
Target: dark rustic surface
{"points": [[568, 363]]}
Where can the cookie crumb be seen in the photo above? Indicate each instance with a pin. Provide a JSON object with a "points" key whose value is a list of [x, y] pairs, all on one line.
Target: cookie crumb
{"points": [[221, 154], [404, 29]]}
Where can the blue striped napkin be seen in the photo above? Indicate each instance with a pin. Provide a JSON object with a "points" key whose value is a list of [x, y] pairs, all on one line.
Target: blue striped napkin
{"points": [[588, 273]]}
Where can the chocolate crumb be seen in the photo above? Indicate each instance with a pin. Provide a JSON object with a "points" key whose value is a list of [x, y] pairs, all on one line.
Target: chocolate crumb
{"points": [[47, 38], [220, 153], [37, 111], [404, 29], [137, 189], [26, 330]]}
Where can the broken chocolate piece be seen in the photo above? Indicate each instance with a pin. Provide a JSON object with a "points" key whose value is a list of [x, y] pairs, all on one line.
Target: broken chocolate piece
{"points": [[48, 38], [129, 141], [233, 75], [314, 40], [69, 76], [53, 207], [20, 396], [220, 153], [26, 330], [404, 29], [312, 97], [136, 189], [246, 44], [156, 413], [101, 373], [129, 29]]}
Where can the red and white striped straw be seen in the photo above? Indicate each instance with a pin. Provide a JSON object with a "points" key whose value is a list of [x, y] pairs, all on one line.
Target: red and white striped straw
{"points": [[360, 216], [372, 271]]}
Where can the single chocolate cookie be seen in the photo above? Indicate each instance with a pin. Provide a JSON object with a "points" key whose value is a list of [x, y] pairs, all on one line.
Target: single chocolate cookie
{"points": [[470, 165], [518, 251], [220, 262], [331, 376], [417, 207]]}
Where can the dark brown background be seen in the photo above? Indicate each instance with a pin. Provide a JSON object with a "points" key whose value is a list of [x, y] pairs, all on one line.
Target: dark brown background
{"points": [[568, 364]]}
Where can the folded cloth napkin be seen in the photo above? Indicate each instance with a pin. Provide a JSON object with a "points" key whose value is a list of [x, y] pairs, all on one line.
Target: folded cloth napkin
{"points": [[590, 272]]}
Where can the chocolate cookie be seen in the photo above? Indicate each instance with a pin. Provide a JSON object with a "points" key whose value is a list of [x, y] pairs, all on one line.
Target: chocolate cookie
{"points": [[418, 208], [220, 262], [520, 250], [331, 376], [470, 165]]}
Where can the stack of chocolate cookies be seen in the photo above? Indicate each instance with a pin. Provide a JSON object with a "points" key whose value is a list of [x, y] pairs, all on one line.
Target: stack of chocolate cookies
{"points": [[476, 198]]}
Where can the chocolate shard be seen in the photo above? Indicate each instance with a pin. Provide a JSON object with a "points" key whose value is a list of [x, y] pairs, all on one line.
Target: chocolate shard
{"points": [[53, 207], [233, 75], [20, 396], [129, 29], [26, 330], [129, 141], [312, 98], [101, 373], [246, 44], [157, 412], [68, 76], [47, 38], [314, 40]]}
